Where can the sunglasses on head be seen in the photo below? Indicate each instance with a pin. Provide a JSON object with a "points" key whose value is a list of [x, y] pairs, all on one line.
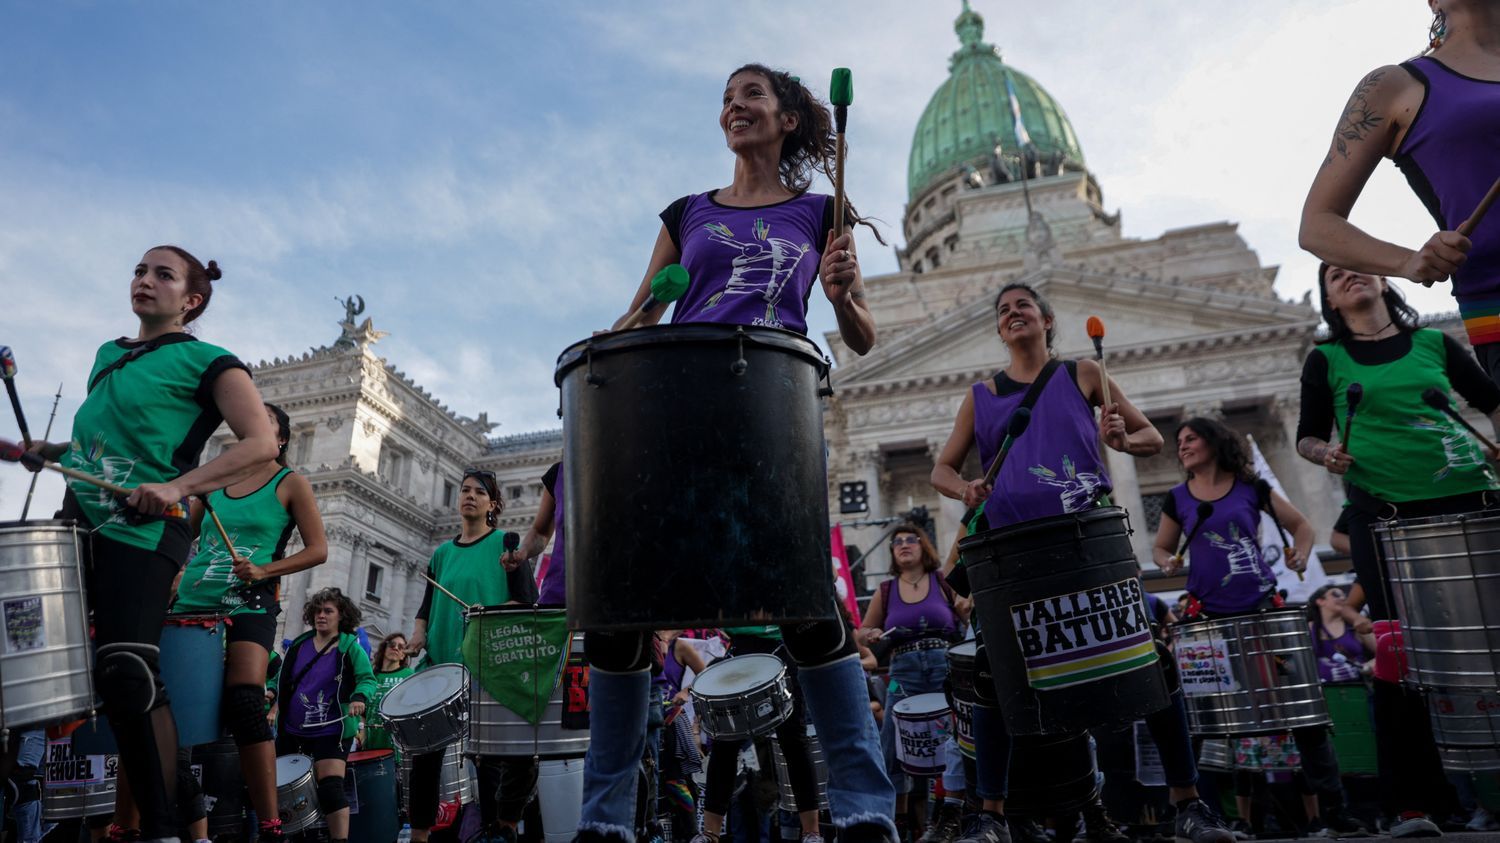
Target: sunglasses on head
{"points": [[479, 472]]}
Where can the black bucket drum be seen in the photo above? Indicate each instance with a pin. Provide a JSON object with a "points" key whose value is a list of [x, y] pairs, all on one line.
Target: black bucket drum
{"points": [[697, 478], [1065, 622]]}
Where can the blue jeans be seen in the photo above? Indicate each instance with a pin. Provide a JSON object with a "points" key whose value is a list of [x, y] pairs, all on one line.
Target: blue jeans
{"points": [[912, 673], [617, 742], [32, 753]]}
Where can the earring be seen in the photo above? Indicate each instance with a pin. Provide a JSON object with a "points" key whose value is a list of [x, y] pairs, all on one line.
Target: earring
{"points": [[1438, 31]]}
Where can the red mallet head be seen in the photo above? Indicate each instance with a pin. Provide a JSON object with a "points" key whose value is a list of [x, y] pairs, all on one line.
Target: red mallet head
{"points": [[14, 452], [7, 362], [1096, 333]]}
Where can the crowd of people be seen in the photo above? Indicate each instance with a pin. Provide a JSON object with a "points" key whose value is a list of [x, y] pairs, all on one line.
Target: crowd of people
{"points": [[840, 741]]}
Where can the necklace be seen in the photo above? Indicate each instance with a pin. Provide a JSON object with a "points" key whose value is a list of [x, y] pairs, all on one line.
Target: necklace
{"points": [[913, 583], [1374, 333]]}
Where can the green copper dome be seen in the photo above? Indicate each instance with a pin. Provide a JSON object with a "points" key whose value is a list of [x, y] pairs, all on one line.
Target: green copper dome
{"points": [[970, 112]]}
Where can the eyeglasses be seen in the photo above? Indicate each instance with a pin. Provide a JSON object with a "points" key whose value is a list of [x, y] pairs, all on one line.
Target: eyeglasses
{"points": [[907, 539]]}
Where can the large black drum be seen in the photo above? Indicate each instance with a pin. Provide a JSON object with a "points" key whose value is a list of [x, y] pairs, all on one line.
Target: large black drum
{"points": [[1060, 774], [697, 491], [1065, 622]]}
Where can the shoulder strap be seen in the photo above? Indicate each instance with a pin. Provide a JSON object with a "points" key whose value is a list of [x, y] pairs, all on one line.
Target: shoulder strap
{"points": [[128, 357], [1034, 392], [299, 675], [885, 595]]}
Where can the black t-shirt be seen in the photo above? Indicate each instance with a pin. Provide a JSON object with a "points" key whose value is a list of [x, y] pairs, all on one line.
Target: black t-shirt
{"points": [[549, 480]]}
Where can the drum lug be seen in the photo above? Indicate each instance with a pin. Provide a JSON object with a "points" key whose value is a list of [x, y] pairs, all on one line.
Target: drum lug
{"points": [[591, 379], [739, 367], [826, 390]]}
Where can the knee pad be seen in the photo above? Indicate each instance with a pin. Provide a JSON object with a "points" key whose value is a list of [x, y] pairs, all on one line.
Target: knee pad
{"points": [[244, 712], [617, 652], [331, 795], [816, 643], [129, 679]]}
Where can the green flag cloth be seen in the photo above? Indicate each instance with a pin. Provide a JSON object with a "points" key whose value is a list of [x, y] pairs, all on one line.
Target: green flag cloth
{"points": [[517, 658]]}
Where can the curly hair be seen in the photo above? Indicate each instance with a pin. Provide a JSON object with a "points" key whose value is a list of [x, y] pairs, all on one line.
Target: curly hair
{"points": [[811, 147], [384, 644], [1228, 447], [930, 560], [349, 615]]}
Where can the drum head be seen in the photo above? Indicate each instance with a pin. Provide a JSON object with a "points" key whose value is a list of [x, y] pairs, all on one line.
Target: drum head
{"points": [[967, 650], [921, 706], [369, 755], [734, 676], [420, 692], [289, 768]]}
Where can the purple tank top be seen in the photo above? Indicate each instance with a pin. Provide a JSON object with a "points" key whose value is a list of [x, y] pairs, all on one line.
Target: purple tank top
{"points": [[555, 585], [1227, 571], [1451, 156], [931, 617], [750, 266], [314, 709], [672, 670], [1339, 659], [1055, 466]]}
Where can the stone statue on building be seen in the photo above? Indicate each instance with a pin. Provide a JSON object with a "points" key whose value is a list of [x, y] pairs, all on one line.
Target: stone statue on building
{"points": [[1041, 246], [356, 336]]}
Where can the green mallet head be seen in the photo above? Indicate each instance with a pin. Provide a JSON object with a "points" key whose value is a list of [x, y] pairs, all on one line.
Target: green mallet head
{"points": [[668, 284], [841, 89]]}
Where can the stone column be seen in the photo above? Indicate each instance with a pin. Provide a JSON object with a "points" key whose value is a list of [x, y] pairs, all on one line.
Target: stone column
{"points": [[1127, 493]]}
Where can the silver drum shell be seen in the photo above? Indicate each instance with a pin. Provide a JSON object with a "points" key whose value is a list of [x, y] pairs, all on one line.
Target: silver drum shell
{"points": [[297, 802], [495, 730], [46, 663], [747, 714], [1253, 674], [1466, 727], [63, 800]]}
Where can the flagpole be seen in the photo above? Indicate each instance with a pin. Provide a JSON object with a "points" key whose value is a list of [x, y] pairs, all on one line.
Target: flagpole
{"points": [[1023, 141], [31, 490]]}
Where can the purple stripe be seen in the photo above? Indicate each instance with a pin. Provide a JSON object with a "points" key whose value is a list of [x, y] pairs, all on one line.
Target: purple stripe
{"points": [[1075, 655]]}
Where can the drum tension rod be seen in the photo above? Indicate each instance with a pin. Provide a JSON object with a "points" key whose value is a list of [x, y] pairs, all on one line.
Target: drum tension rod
{"points": [[591, 379], [739, 367]]}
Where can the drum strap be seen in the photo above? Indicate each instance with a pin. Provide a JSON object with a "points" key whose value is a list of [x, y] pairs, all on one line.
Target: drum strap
{"points": [[298, 676]]}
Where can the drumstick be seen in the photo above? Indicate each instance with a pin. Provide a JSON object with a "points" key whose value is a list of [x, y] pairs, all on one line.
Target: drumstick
{"points": [[1352, 396], [13, 452], [1263, 489], [228, 545], [1095, 327], [439, 587], [1466, 228], [1438, 401], [667, 286], [8, 373], [841, 95], [1013, 430], [1205, 511]]}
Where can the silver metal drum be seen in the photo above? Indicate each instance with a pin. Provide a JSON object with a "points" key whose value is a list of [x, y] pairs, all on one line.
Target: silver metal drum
{"points": [[45, 660], [1216, 755], [788, 800], [495, 730], [742, 696], [296, 793], [1444, 576], [456, 783], [1252, 674], [76, 786], [1466, 727]]}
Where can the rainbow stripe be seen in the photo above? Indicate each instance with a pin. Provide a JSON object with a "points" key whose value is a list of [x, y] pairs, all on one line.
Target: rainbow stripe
{"points": [[1078, 671]]}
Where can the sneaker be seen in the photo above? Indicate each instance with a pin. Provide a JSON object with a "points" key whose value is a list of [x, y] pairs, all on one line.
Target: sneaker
{"points": [[946, 826], [1027, 830], [1099, 828], [1336, 823], [1483, 820], [1241, 830], [1415, 825], [985, 827], [812, 838], [1197, 824]]}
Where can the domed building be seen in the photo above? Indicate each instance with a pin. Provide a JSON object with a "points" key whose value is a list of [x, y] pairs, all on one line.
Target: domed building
{"points": [[1194, 325]]}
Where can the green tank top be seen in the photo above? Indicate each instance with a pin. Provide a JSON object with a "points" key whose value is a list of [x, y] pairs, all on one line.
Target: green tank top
{"points": [[376, 736], [259, 526], [1403, 449], [474, 574], [144, 422]]}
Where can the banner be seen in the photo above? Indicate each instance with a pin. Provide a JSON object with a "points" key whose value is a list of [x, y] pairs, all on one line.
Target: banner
{"points": [[1068, 639], [844, 580], [517, 657], [1274, 550]]}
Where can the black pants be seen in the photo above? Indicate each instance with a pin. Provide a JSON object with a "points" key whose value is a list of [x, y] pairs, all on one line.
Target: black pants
{"points": [[129, 588], [505, 786], [723, 758]]}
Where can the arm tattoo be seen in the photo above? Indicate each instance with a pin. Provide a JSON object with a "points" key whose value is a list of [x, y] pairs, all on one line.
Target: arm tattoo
{"points": [[1313, 449], [857, 295], [1359, 118]]}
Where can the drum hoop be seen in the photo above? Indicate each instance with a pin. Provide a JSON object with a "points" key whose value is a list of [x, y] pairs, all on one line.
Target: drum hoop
{"points": [[1234, 621], [927, 714], [689, 333], [511, 609], [460, 693], [1051, 522], [772, 681]]}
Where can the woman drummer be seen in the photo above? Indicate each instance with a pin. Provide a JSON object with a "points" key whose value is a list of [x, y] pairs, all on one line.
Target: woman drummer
{"points": [[243, 584], [913, 610], [1230, 576], [754, 252], [392, 664], [153, 401], [1438, 117], [1402, 459], [322, 693], [469, 567], [1054, 468]]}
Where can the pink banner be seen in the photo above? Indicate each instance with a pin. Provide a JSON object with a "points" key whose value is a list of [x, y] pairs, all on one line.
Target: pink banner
{"points": [[841, 562]]}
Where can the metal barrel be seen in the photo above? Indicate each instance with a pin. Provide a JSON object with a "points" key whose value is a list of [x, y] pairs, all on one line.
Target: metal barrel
{"points": [[1252, 674]]}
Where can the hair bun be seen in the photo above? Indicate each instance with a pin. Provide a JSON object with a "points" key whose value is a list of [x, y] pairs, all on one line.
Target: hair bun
{"points": [[213, 272]]}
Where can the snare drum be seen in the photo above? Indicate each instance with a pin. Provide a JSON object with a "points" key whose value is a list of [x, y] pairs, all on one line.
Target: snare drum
{"points": [[46, 662], [922, 724], [428, 710], [296, 793], [1065, 622], [742, 697], [1251, 674], [725, 402]]}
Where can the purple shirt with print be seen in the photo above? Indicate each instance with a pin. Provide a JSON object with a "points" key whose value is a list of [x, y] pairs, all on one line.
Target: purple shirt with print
{"points": [[748, 266], [555, 583], [314, 709], [1227, 571]]}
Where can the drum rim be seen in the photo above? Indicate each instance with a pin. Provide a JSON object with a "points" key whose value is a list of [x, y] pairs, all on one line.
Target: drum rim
{"points": [[512, 609], [434, 704], [1390, 526], [71, 523], [1263, 615], [688, 332], [1093, 513], [291, 757], [927, 714], [711, 695]]}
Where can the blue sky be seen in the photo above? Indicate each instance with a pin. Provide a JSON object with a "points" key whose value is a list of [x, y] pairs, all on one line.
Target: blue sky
{"points": [[492, 172]]}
